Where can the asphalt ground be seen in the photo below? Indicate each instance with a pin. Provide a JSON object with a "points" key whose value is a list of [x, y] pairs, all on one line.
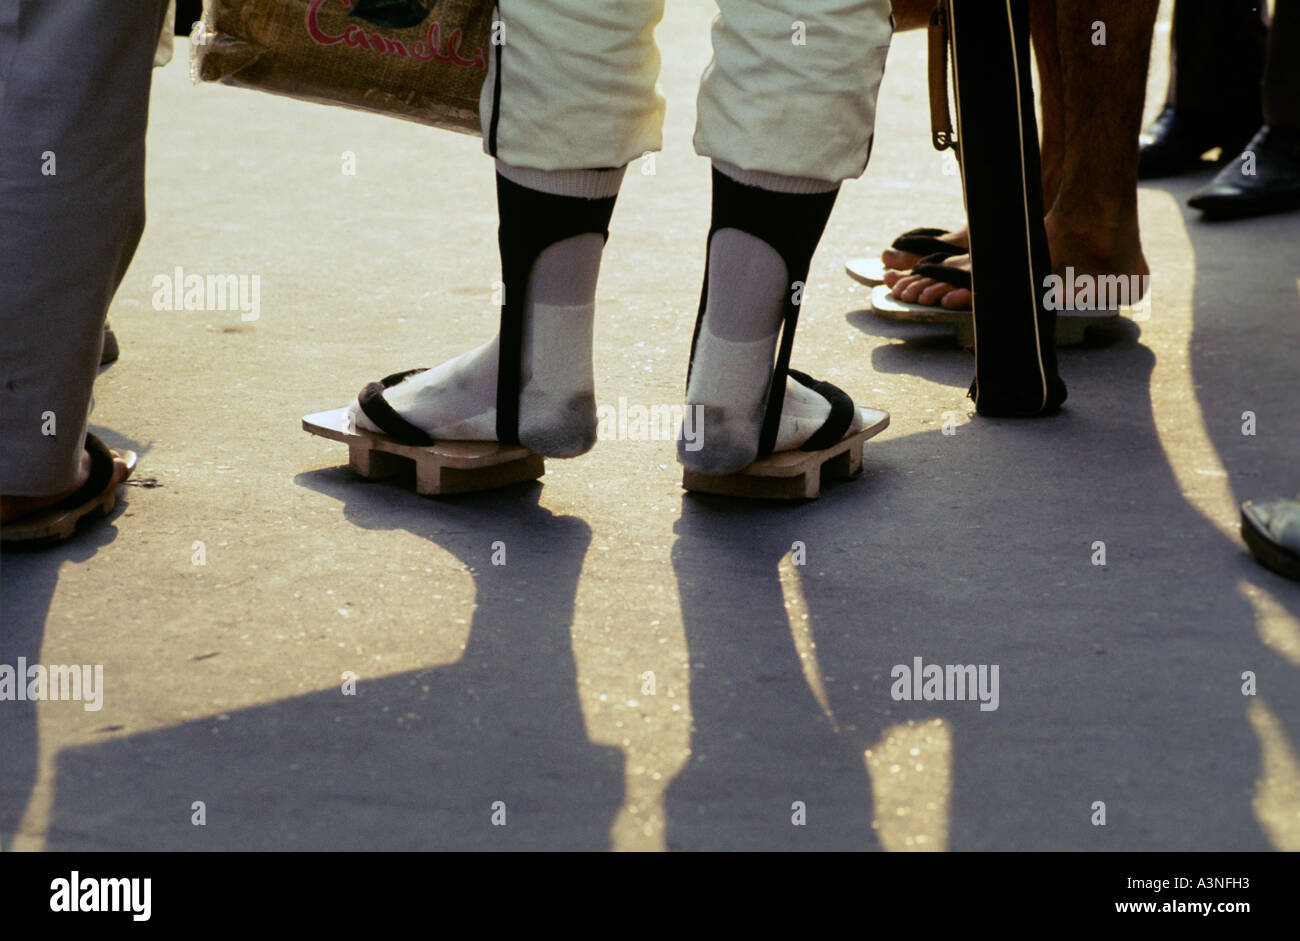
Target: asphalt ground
{"points": [[650, 669]]}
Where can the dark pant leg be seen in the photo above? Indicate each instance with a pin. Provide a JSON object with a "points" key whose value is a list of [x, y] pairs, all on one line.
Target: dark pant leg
{"points": [[1282, 73], [997, 133], [1216, 58]]}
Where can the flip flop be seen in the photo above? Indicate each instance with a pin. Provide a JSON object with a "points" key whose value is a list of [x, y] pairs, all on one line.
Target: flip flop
{"points": [[1271, 530], [441, 467], [923, 242], [95, 498], [1071, 326]]}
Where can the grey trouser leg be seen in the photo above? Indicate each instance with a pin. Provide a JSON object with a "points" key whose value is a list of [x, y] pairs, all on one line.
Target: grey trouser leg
{"points": [[74, 104]]}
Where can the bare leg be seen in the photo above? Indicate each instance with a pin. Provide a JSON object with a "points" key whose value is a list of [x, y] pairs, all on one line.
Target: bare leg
{"points": [[1093, 223], [1092, 112], [1042, 33], [1042, 30]]}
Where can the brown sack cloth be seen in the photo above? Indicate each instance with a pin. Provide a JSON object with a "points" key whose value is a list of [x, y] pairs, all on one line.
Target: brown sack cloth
{"points": [[421, 60]]}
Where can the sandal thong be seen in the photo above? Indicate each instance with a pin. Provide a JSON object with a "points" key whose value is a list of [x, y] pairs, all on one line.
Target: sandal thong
{"points": [[830, 454], [787, 474], [924, 242], [95, 498], [441, 467]]}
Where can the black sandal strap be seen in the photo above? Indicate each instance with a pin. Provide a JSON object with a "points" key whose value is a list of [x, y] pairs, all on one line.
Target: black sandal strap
{"points": [[837, 423], [101, 473], [538, 221], [792, 225], [930, 268], [923, 242], [376, 408]]}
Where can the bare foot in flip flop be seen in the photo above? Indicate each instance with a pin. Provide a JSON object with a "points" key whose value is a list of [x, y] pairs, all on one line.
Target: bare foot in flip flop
{"points": [[917, 288], [1093, 252], [901, 260]]}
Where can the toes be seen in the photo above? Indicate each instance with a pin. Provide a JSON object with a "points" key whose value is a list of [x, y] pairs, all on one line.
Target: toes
{"points": [[910, 288], [893, 258], [892, 276], [958, 299], [898, 282], [121, 468], [935, 293]]}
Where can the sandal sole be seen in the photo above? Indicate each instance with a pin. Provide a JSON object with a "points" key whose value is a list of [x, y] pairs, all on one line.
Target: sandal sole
{"points": [[868, 271], [447, 467], [792, 475], [1071, 329], [56, 528]]}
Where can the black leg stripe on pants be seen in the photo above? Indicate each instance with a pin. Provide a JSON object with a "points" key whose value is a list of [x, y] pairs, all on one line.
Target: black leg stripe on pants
{"points": [[1015, 349]]}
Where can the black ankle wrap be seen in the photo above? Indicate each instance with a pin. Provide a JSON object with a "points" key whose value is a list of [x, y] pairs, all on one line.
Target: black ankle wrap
{"points": [[792, 223], [531, 222]]}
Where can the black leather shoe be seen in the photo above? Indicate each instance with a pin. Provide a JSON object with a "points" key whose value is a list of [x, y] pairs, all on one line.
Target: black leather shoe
{"points": [[1271, 529], [1273, 186], [110, 351], [1175, 141]]}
